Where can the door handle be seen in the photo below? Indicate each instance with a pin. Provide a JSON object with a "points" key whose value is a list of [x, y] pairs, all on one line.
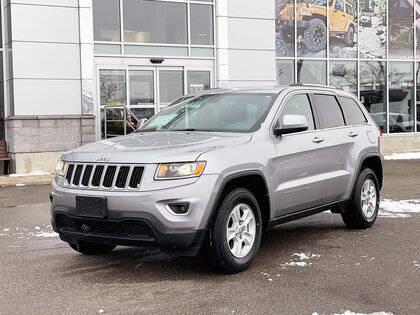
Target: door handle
{"points": [[353, 134], [317, 140]]}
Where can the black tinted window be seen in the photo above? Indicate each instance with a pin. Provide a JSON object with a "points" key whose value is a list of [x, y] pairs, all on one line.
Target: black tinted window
{"points": [[352, 112], [329, 110]]}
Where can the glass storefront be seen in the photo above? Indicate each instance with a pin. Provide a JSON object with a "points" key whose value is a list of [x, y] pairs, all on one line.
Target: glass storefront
{"points": [[365, 47], [154, 28]]}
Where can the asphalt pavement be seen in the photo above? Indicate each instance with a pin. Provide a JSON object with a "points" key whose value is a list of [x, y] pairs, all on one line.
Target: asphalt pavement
{"points": [[307, 266]]}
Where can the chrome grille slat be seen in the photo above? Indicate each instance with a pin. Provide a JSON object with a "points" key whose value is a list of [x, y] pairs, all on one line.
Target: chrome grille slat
{"points": [[136, 177], [109, 176], [86, 175], [103, 176], [69, 174], [77, 175], [122, 176], [97, 175]]}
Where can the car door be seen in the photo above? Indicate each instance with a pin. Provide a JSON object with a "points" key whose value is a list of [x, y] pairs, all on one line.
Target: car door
{"points": [[338, 143], [301, 160], [339, 18], [357, 134]]}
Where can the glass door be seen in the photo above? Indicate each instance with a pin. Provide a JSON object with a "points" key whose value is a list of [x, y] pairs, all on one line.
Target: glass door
{"points": [[131, 94]]}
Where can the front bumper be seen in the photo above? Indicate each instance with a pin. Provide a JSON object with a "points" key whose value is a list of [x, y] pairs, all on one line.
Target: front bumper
{"points": [[138, 218], [290, 23]]}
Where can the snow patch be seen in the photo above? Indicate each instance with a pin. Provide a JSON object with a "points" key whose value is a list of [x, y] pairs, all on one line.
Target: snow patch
{"points": [[24, 233], [301, 263], [43, 234], [403, 156], [398, 209], [295, 263], [38, 173]]}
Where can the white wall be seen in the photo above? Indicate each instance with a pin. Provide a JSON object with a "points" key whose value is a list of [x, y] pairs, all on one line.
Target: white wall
{"points": [[45, 54], [245, 42]]}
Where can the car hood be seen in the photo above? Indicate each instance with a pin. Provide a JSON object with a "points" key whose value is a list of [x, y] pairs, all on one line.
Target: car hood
{"points": [[155, 147]]}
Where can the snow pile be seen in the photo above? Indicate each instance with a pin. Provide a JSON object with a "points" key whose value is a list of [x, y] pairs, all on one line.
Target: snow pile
{"points": [[353, 313], [403, 156], [38, 173], [398, 209], [301, 262]]}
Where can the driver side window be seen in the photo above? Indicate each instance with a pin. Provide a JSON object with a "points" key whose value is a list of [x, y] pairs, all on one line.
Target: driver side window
{"points": [[297, 105], [339, 5]]}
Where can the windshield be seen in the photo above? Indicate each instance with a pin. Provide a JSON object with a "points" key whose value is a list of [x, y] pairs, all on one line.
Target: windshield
{"points": [[235, 112]]}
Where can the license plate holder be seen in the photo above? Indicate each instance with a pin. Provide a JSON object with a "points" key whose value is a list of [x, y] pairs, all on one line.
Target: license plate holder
{"points": [[95, 207]]}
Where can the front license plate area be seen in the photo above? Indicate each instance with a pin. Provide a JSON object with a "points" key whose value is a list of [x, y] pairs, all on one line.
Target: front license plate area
{"points": [[91, 207]]}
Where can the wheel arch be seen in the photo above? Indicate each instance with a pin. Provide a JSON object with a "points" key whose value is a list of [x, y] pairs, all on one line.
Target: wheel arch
{"points": [[255, 182], [374, 162]]}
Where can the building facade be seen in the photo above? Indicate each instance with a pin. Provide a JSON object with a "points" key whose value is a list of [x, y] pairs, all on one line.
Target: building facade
{"points": [[76, 71]]}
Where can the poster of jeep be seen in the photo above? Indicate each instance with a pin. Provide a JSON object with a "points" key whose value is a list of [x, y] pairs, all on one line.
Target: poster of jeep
{"points": [[311, 37], [372, 32], [285, 28], [342, 28], [401, 31], [311, 26], [417, 13]]}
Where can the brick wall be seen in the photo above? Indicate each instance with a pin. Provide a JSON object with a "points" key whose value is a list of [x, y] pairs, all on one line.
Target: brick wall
{"points": [[28, 134]]}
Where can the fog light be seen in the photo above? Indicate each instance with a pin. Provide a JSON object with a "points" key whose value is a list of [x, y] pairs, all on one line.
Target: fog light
{"points": [[179, 208]]}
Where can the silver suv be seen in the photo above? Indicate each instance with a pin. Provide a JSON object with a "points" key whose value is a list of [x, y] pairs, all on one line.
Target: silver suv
{"points": [[210, 174]]}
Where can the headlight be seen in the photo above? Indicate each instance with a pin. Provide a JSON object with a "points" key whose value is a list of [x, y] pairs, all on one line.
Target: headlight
{"points": [[179, 170], [60, 168]]}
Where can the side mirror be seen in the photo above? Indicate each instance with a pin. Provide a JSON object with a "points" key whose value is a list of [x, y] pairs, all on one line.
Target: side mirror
{"points": [[141, 122], [291, 124]]}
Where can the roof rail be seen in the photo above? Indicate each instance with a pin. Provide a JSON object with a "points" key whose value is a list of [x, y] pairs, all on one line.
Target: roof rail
{"points": [[313, 85]]}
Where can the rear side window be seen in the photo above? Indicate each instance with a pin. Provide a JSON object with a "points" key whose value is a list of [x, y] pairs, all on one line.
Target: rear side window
{"points": [[352, 112], [329, 110], [298, 105]]}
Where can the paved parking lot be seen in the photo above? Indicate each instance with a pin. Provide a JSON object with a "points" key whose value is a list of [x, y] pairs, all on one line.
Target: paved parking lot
{"points": [[311, 265]]}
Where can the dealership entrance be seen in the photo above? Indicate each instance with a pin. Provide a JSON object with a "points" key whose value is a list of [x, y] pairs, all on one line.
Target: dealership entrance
{"points": [[136, 92]]}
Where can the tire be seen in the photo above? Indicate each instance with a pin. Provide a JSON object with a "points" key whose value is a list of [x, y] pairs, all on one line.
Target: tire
{"points": [[315, 36], [349, 37], [239, 204], [359, 215], [88, 248]]}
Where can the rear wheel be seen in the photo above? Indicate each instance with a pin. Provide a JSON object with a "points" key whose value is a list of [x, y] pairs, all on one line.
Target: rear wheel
{"points": [[236, 234], [364, 206], [88, 248]]}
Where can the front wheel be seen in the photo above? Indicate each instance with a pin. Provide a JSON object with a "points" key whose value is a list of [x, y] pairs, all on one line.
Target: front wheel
{"points": [[349, 37], [89, 248], [364, 206], [236, 234]]}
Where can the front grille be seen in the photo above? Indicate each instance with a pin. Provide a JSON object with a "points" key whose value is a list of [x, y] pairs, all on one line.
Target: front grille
{"points": [[127, 228], [103, 176]]}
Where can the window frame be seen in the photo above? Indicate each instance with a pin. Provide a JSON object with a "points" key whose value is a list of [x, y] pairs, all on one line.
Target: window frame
{"points": [[317, 125], [358, 106], [322, 124]]}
